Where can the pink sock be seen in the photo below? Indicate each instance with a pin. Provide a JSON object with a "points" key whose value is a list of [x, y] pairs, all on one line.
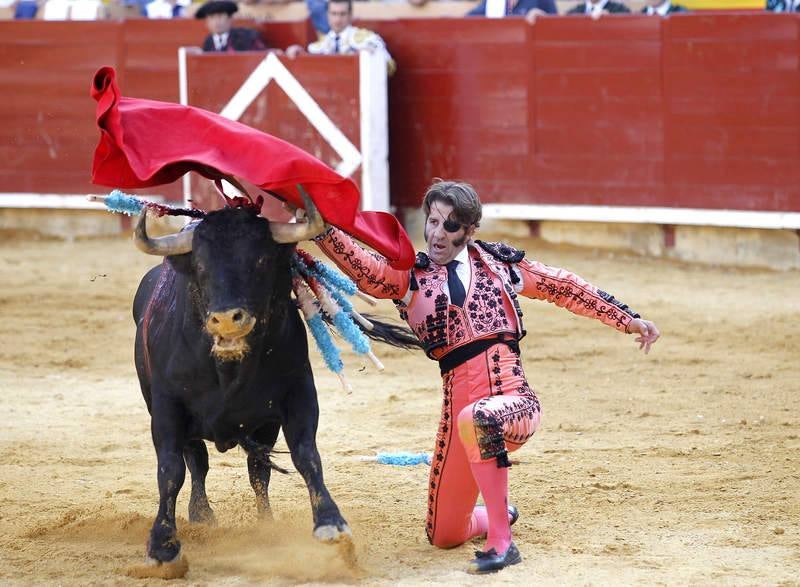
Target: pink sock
{"points": [[493, 484], [478, 523]]}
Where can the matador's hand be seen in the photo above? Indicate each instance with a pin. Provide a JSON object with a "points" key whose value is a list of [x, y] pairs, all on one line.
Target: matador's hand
{"points": [[648, 333]]}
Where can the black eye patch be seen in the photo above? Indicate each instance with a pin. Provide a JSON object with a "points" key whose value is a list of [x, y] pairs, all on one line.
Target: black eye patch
{"points": [[451, 226]]}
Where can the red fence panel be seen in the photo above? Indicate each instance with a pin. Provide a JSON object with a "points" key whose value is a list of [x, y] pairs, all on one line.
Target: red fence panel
{"points": [[458, 104], [732, 121], [47, 123], [598, 131]]}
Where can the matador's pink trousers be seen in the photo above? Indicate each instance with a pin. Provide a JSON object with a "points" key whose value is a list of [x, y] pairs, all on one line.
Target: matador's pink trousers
{"points": [[472, 424]]}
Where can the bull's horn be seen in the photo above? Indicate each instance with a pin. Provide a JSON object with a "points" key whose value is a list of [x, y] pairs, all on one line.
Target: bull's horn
{"points": [[285, 232], [173, 244]]}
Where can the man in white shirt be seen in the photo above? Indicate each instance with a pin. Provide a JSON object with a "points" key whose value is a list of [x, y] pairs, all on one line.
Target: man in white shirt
{"points": [[661, 7], [343, 38]]}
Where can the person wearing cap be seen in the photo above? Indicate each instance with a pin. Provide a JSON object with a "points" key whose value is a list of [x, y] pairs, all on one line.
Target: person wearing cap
{"points": [[224, 37], [343, 38], [461, 300]]}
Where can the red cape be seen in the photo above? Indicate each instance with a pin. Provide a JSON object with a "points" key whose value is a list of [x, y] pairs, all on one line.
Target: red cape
{"points": [[145, 143]]}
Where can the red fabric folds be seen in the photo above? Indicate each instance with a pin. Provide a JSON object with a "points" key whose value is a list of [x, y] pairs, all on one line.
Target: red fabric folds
{"points": [[145, 143]]}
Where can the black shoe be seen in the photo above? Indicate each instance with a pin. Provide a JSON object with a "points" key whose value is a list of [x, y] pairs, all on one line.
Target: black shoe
{"points": [[514, 513], [491, 562]]}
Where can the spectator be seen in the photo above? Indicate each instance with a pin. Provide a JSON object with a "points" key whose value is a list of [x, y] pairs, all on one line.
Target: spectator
{"points": [[662, 7], [595, 8], [343, 38], [224, 37], [783, 5], [138, 5], [166, 8], [530, 9], [26, 9]]}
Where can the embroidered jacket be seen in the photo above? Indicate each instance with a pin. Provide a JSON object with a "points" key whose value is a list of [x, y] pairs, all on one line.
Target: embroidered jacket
{"points": [[491, 309], [352, 40]]}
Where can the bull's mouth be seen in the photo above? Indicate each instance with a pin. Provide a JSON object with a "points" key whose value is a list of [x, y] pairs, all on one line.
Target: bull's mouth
{"points": [[229, 348]]}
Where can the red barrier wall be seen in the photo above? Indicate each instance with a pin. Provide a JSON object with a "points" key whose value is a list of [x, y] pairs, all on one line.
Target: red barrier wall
{"points": [[690, 111], [695, 110]]}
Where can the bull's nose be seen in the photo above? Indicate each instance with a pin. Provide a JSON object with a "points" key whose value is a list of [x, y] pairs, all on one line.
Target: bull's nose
{"points": [[234, 322]]}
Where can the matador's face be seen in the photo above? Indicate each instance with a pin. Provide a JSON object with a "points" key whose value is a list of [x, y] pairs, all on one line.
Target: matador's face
{"points": [[444, 245]]}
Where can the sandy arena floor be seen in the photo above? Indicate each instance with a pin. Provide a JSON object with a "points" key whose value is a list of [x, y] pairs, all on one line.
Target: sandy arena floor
{"points": [[677, 468]]}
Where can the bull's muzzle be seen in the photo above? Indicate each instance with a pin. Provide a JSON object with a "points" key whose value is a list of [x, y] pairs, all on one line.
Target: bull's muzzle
{"points": [[228, 329]]}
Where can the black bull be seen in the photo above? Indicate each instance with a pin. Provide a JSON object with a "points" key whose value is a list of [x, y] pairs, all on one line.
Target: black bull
{"points": [[222, 355]]}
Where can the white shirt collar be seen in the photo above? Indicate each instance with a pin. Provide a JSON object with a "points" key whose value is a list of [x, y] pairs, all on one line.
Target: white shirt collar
{"points": [[662, 9], [220, 40], [595, 8], [342, 35], [463, 256]]}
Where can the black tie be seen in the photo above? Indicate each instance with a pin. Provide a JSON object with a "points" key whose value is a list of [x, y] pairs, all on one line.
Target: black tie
{"points": [[457, 293], [336, 44]]}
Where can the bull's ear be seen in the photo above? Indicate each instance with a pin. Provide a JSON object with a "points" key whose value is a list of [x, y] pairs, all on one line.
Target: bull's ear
{"points": [[180, 263]]}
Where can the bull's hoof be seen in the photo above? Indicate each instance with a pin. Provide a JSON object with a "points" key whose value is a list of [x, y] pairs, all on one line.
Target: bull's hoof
{"points": [[174, 569], [163, 546], [333, 533]]}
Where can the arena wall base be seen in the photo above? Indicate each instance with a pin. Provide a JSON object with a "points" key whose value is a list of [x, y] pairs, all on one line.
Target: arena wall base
{"points": [[747, 247], [76, 224], [724, 246], [62, 224]]}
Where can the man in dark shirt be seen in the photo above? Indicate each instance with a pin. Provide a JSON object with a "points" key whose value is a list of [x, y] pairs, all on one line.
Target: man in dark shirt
{"points": [[661, 7], [526, 8], [224, 37], [783, 5], [595, 8]]}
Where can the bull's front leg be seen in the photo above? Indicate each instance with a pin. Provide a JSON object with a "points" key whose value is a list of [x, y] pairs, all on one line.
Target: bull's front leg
{"points": [[259, 466], [168, 430], [195, 454], [300, 430]]}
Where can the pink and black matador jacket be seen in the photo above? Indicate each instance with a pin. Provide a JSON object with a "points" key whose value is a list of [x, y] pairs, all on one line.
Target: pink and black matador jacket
{"points": [[491, 310]]}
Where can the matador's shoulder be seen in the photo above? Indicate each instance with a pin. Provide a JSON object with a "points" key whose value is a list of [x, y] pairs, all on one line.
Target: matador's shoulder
{"points": [[422, 262], [502, 251]]}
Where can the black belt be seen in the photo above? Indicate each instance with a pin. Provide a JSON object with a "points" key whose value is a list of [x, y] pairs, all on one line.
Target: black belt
{"points": [[463, 354]]}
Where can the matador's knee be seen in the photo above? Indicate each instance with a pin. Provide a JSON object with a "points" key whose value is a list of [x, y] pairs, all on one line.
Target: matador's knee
{"points": [[481, 433]]}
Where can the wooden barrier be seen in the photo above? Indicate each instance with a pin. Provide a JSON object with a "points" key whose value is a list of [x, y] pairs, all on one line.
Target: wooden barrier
{"points": [[628, 112], [692, 111]]}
